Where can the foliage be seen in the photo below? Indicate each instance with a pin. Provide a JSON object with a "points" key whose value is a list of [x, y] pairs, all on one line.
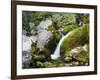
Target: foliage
{"points": [[79, 36], [76, 22]]}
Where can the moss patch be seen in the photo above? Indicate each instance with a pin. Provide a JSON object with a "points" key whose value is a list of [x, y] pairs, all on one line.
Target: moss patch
{"points": [[78, 37]]}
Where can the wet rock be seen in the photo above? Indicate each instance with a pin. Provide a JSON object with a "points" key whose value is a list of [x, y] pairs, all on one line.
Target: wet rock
{"points": [[26, 43]]}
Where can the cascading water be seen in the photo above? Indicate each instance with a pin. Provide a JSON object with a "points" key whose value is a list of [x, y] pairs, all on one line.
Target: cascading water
{"points": [[56, 53]]}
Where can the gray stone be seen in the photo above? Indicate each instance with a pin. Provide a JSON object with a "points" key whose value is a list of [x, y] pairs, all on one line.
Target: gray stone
{"points": [[26, 51], [83, 49], [68, 59], [24, 32], [26, 59], [32, 25], [43, 38], [44, 24], [33, 38], [26, 43]]}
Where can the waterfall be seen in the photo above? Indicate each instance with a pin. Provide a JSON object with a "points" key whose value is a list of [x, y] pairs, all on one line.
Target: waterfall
{"points": [[56, 53]]}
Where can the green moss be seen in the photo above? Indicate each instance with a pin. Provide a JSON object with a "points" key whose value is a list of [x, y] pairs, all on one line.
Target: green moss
{"points": [[39, 57], [40, 64], [83, 58], [70, 27], [51, 28], [50, 64], [78, 37]]}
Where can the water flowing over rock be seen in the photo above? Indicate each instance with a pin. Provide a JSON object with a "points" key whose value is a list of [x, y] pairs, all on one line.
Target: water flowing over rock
{"points": [[56, 53]]}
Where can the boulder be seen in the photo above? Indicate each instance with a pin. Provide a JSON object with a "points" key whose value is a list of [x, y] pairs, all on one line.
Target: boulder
{"points": [[43, 38], [79, 53], [44, 24], [26, 51]]}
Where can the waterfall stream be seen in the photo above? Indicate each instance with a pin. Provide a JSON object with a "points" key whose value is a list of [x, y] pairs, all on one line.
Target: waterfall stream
{"points": [[56, 53]]}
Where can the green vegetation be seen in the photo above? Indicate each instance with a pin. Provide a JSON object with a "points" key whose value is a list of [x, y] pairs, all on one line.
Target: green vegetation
{"points": [[79, 36], [62, 23]]}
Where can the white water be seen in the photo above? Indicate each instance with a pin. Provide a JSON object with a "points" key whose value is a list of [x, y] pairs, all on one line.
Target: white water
{"points": [[56, 53]]}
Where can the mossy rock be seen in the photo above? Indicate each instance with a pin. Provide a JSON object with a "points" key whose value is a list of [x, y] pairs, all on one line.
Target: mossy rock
{"points": [[78, 37], [83, 55]]}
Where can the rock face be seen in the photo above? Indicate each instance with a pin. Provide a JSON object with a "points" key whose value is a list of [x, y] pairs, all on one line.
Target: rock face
{"points": [[26, 43], [33, 38], [43, 36], [44, 24], [26, 51]]}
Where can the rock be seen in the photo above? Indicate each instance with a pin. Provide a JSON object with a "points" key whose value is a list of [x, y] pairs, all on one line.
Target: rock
{"points": [[24, 32], [44, 24], [26, 51], [33, 38], [67, 65], [83, 50], [43, 38], [26, 59], [32, 25], [67, 59], [33, 32], [75, 63], [78, 53], [26, 43], [86, 64]]}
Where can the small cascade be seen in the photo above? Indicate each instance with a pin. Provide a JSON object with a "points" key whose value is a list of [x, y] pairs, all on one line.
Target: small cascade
{"points": [[56, 53]]}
